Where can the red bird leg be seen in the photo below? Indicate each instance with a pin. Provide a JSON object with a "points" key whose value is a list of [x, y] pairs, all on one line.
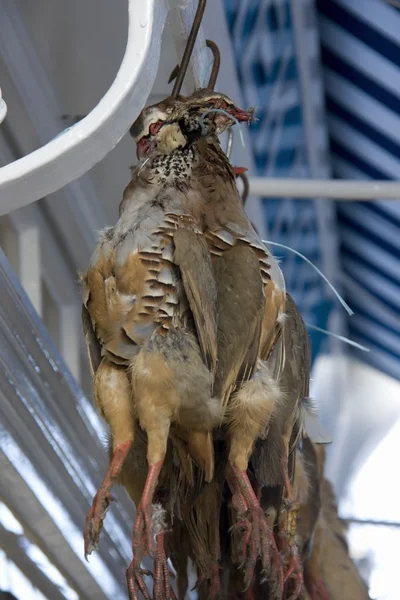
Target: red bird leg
{"points": [[286, 537], [162, 589], [252, 592], [142, 533], [260, 542], [215, 582], [135, 580], [101, 501]]}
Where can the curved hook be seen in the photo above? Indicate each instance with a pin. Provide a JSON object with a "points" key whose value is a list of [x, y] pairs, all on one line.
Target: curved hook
{"points": [[189, 48], [215, 68], [216, 64]]}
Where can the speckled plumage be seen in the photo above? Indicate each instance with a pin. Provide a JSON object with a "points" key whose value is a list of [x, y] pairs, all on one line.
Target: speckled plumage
{"points": [[181, 309]]}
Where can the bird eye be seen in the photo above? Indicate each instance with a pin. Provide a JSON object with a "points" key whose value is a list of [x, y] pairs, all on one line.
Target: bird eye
{"points": [[155, 127]]}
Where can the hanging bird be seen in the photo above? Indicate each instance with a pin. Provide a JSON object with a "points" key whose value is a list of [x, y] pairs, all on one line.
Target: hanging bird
{"points": [[250, 304], [150, 317], [153, 313]]}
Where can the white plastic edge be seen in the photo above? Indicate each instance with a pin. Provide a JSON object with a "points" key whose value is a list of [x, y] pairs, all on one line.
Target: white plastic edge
{"points": [[78, 148], [3, 108]]}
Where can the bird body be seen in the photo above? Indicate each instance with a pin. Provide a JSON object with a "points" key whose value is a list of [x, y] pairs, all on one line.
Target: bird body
{"points": [[184, 319], [250, 306]]}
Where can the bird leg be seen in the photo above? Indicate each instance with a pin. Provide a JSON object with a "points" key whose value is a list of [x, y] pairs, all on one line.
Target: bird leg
{"points": [[214, 587], [142, 534], [258, 539], [162, 588], [113, 398], [101, 501], [157, 439], [286, 538]]}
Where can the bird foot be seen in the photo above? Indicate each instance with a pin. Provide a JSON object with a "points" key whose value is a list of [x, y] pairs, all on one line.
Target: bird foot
{"points": [[103, 498], [162, 589], [294, 577], [215, 582], [257, 541], [95, 518], [135, 579]]}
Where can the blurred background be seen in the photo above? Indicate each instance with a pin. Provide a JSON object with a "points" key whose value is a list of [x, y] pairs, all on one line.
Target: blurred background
{"points": [[324, 76]]}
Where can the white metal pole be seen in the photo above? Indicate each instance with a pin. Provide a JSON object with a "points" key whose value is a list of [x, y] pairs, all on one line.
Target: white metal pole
{"points": [[325, 188]]}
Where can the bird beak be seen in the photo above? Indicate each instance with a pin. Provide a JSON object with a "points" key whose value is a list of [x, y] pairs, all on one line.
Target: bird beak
{"points": [[239, 171], [243, 116], [143, 147]]}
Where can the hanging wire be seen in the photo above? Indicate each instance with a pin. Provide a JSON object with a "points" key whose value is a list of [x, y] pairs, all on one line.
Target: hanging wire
{"points": [[338, 337], [334, 290], [188, 48]]}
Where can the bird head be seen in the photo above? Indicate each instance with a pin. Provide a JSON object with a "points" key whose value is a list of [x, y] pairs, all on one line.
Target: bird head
{"points": [[176, 123], [153, 125], [213, 111]]}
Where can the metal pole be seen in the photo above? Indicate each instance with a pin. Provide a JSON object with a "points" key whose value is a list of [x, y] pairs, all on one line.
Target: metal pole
{"points": [[325, 188]]}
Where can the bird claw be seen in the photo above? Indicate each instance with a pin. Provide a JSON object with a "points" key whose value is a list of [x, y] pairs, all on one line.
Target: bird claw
{"points": [[257, 538], [94, 520], [262, 544], [287, 544], [135, 580], [295, 574], [162, 589], [215, 582]]}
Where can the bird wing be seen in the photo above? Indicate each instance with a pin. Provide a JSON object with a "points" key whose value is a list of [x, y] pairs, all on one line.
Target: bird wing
{"points": [[241, 306], [296, 372], [192, 257]]}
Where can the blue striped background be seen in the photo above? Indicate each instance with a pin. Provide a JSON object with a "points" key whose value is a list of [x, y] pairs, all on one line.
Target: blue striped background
{"points": [[361, 61], [358, 44], [264, 45]]}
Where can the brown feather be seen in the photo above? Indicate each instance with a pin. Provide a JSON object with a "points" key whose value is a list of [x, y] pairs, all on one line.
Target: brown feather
{"points": [[193, 258], [241, 308]]}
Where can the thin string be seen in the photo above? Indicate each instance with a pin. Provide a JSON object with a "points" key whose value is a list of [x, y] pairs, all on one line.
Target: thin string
{"points": [[339, 337], [338, 296], [223, 112]]}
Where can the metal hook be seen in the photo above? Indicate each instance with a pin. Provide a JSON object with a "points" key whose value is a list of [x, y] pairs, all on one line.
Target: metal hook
{"points": [[216, 64], [215, 68], [189, 48]]}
